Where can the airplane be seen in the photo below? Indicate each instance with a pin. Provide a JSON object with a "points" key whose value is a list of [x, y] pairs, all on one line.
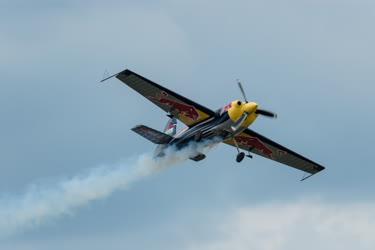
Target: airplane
{"points": [[229, 124]]}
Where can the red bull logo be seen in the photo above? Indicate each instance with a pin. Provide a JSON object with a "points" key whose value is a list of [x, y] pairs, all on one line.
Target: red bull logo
{"points": [[181, 108], [253, 142], [225, 108]]}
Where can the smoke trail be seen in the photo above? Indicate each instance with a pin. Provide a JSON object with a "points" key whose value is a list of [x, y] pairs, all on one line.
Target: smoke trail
{"points": [[40, 204]]}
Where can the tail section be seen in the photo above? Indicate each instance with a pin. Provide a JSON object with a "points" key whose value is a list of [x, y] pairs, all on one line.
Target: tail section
{"points": [[158, 137], [170, 128], [152, 135]]}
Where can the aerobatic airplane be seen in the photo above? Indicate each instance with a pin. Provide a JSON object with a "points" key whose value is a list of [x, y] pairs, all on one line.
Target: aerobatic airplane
{"points": [[228, 124]]}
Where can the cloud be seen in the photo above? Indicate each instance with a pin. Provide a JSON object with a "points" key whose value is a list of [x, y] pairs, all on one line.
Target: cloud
{"points": [[295, 225], [97, 35], [308, 224]]}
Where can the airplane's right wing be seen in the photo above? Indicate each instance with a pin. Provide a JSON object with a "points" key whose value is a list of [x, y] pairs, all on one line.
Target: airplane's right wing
{"points": [[260, 145]]}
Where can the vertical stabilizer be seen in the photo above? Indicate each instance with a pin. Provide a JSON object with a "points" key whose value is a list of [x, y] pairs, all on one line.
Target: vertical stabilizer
{"points": [[170, 128]]}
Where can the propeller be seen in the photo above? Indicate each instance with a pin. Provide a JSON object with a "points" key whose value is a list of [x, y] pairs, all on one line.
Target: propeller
{"points": [[263, 112], [266, 113], [242, 91]]}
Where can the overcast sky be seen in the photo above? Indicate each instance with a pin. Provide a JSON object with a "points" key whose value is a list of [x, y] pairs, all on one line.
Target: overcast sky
{"points": [[312, 62]]}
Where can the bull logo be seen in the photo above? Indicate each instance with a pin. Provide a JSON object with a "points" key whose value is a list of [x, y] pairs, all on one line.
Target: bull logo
{"points": [[253, 142], [181, 108]]}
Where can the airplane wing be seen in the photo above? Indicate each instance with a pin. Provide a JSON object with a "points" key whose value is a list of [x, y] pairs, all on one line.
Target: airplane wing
{"points": [[187, 111], [253, 142]]}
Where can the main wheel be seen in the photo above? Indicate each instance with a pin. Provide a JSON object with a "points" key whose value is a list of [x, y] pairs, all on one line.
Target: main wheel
{"points": [[240, 156]]}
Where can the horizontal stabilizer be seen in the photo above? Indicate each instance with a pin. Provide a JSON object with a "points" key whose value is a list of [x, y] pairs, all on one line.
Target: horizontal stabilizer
{"points": [[152, 135]]}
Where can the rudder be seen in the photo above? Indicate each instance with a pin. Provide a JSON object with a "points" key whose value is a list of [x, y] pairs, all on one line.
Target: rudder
{"points": [[171, 127]]}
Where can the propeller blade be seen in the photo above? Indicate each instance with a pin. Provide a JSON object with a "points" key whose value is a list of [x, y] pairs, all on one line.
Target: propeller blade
{"points": [[266, 113], [242, 91]]}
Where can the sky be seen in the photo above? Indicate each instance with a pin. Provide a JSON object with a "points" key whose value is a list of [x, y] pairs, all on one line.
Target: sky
{"points": [[311, 62]]}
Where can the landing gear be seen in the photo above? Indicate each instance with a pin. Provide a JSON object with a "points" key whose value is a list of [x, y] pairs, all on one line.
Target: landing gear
{"points": [[240, 156], [198, 157]]}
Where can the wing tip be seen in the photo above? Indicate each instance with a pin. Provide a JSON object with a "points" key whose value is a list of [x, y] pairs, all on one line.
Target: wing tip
{"points": [[125, 72], [319, 168]]}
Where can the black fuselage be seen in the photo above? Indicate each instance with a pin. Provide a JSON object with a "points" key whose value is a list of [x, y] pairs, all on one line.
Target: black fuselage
{"points": [[216, 127]]}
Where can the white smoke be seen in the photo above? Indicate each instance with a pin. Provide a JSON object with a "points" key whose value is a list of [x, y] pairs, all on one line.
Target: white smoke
{"points": [[40, 203]]}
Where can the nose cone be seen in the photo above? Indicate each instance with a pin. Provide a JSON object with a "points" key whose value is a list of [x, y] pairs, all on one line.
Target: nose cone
{"points": [[250, 107]]}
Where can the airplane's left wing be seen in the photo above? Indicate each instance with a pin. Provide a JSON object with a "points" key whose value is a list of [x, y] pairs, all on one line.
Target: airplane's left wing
{"points": [[182, 108], [256, 143]]}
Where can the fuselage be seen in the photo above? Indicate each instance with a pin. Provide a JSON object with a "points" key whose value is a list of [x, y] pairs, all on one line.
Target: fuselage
{"points": [[228, 122]]}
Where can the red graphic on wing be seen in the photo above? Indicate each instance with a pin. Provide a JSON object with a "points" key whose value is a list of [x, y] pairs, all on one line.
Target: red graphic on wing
{"points": [[182, 108], [253, 142]]}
